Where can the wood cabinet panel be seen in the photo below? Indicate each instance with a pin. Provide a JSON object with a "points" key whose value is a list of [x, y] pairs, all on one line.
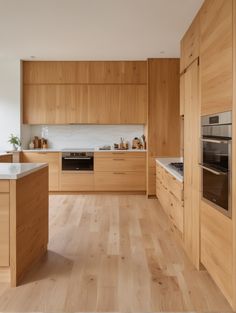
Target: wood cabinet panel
{"points": [[55, 104], [4, 228], [104, 104], [216, 19], [77, 181], [191, 44], [163, 111], [120, 181], [216, 247], [85, 72], [182, 95], [53, 161], [119, 163], [4, 186], [133, 104]]}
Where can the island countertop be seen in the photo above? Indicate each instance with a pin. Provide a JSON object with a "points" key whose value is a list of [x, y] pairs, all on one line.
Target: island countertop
{"points": [[19, 170], [165, 162]]}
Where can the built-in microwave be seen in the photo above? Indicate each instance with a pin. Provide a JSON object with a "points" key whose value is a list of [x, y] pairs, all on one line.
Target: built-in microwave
{"points": [[216, 146]]}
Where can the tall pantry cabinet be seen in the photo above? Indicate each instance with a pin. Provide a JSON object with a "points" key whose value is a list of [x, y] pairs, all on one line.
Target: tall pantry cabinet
{"points": [[209, 236]]}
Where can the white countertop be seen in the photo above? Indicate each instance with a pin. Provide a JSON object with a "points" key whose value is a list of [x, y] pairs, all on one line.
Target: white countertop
{"points": [[164, 162], [82, 150], [19, 170], [5, 153]]}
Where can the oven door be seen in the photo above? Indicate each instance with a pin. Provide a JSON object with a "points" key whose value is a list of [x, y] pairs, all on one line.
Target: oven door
{"points": [[216, 173], [77, 163]]}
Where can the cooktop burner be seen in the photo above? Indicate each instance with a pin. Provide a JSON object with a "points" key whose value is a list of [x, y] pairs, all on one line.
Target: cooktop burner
{"points": [[178, 166]]}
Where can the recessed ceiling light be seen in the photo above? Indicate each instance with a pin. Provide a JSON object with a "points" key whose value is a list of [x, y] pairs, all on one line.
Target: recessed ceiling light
{"points": [[32, 56], [162, 52]]}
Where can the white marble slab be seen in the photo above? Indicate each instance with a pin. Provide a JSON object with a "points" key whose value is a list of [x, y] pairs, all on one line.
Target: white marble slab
{"points": [[165, 162], [19, 170]]}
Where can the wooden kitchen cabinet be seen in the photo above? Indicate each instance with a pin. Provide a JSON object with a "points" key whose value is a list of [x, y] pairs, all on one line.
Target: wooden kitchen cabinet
{"points": [[190, 44], [182, 95], [53, 161], [82, 181], [120, 171], [169, 192], [85, 72], [216, 56]]}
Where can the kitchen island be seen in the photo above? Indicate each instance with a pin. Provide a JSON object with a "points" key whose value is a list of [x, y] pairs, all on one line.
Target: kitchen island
{"points": [[23, 218]]}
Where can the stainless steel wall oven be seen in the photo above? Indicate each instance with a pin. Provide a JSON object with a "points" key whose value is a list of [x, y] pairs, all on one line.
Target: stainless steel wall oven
{"points": [[216, 145]]}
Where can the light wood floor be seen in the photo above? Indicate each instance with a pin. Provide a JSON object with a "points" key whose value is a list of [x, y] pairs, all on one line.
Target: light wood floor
{"points": [[112, 253]]}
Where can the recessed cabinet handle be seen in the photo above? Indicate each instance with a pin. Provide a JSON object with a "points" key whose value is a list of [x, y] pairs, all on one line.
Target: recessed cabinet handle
{"points": [[118, 159], [119, 173]]}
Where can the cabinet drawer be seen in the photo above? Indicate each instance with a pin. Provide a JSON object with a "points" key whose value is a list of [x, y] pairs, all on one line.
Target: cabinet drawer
{"points": [[176, 213], [123, 154], [120, 181], [175, 187], [163, 196], [119, 163], [77, 181]]}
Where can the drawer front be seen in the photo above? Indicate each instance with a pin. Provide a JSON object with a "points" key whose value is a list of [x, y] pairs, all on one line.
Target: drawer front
{"points": [[77, 182], [6, 158], [4, 186], [120, 181], [123, 154], [119, 163], [4, 230], [175, 187], [163, 196], [176, 213]]}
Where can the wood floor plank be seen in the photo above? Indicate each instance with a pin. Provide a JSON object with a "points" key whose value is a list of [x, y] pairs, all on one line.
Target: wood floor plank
{"points": [[112, 253]]}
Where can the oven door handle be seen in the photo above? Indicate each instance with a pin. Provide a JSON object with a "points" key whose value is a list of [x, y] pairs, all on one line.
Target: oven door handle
{"points": [[74, 158], [215, 140], [212, 171]]}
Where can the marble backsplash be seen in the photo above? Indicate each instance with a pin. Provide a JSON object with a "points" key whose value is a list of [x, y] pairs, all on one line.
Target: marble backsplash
{"points": [[81, 136]]}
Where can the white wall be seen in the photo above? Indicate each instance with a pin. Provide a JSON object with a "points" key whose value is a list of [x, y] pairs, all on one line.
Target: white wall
{"points": [[84, 136], [10, 108]]}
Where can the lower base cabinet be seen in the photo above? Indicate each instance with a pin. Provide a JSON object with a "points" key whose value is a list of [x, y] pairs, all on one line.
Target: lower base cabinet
{"points": [[120, 181], [77, 181], [169, 192], [6, 158], [217, 247]]}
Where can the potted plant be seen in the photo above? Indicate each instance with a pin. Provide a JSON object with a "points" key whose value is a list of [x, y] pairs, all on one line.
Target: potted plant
{"points": [[15, 141]]}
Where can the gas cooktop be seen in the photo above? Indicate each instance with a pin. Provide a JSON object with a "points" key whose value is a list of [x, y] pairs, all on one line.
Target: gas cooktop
{"points": [[178, 166], [78, 149]]}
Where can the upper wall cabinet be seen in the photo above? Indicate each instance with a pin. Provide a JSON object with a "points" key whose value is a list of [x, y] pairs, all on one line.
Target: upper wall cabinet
{"points": [[85, 92], [190, 45], [216, 56], [90, 72]]}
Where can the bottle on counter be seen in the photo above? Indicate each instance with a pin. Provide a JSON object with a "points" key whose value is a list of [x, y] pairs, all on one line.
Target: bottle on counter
{"points": [[31, 145]]}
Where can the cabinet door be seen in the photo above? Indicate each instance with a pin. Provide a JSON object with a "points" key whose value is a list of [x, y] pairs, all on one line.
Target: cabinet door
{"points": [[182, 95], [191, 44], [104, 104], [191, 163], [216, 56], [133, 104], [39, 104]]}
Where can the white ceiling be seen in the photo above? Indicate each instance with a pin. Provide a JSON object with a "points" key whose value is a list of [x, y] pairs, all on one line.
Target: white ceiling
{"points": [[93, 29]]}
